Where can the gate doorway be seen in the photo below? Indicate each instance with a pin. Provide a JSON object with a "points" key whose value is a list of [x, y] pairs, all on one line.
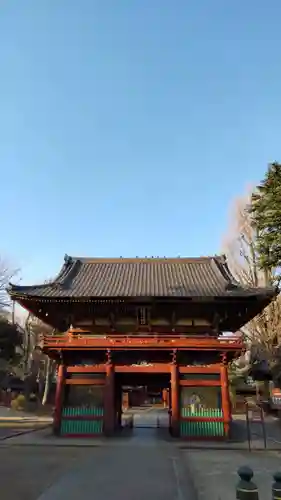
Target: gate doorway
{"points": [[152, 417], [144, 401]]}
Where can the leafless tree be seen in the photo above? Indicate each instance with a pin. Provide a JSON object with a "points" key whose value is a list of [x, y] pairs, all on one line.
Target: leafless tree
{"points": [[6, 275], [38, 366], [241, 251], [49, 369], [240, 245], [35, 329]]}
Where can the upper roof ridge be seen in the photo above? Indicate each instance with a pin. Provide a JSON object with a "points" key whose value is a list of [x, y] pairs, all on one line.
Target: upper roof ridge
{"points": [[112, 260]]}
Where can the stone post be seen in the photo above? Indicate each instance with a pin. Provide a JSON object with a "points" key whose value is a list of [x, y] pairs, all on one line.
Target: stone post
{"points": [[276, 487], [246, 489]]}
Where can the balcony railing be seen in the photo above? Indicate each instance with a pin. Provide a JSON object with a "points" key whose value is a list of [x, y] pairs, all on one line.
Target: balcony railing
{"points": [[79, 339]]}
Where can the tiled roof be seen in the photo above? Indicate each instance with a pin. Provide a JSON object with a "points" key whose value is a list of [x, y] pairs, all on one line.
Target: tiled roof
{"points": [[140, 277]]}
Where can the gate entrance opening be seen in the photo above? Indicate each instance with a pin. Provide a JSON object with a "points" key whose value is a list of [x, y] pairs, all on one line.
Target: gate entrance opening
{"points": [[144, 400]]}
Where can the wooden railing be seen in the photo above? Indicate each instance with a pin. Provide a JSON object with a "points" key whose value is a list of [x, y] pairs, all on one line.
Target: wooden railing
{"points": [[76, 339]]}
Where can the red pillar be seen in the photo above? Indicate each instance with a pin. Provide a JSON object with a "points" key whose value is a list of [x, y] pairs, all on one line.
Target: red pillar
{"points": [[168, 399], [109, 401], [59, 398], [125, 401], [225, 398], [118, 414], [175, 399], [164, 397]]}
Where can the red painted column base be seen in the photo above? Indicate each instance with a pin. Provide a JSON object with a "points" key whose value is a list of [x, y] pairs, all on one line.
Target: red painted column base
{"points": [[59, 399], [175, 413]]}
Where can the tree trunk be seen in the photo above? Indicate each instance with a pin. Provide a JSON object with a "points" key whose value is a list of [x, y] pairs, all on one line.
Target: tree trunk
{"points": [[47, 381], [266, 391], [27, 345]]}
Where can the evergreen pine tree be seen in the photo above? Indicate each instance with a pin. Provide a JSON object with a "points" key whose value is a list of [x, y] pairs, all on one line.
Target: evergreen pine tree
{"points": [[265, 211]]}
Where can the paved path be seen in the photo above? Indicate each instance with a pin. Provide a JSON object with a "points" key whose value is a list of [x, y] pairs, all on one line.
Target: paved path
{"points": [[150, 418], [148, 467], [14, 423], [16, 430], [8, 414], [152, 472], [143, 464], [26, 474], [215, 472]]}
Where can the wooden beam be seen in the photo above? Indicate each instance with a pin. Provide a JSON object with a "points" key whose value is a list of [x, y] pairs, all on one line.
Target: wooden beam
{"points": [[85, 381], [200, 383], [86, 369], [202, 419], [155, 368], [83, 417], [216, 368], [80, 341]]}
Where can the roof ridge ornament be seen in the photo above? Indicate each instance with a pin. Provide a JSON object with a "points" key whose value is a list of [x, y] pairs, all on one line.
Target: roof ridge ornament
{"points": [[68, 259], [66, 274], [232, 286], [231, 282]]}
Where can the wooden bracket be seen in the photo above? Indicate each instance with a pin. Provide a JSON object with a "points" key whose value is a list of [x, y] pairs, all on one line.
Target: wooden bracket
{"points": [[108, 356], [224, 358], [174, 356]]}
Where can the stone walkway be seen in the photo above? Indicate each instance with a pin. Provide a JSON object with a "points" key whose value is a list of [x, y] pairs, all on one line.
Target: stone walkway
{"points": [[149, 464], [137, 472], [8, 414], [144, 464], [215, 472]]}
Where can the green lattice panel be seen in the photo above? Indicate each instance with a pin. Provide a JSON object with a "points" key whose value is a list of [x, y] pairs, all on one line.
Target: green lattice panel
{"points": [[83, 426], [198, 429]]}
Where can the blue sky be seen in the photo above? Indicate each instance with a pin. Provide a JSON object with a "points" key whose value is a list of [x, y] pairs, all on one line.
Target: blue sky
{"points": [[127, 127]]}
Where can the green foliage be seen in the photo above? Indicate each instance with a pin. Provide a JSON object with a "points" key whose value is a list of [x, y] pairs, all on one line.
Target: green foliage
{"points": [[266, 217], [236, 374], [10, 338]]}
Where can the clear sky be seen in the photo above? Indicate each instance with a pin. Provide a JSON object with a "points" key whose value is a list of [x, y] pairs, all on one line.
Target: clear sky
{"points": [[128, 126]]}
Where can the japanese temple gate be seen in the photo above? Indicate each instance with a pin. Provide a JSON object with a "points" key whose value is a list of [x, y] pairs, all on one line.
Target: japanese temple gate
{"points": [[119, 320]]}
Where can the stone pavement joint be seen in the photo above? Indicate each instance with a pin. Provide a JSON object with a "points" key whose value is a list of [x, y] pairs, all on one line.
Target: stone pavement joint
{"points": [[21, 432], [133, 473]]}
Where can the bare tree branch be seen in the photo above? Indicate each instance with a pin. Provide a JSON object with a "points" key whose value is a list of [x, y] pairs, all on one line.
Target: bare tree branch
{"points": [[240, 246], [38, 365], [6, 274]]}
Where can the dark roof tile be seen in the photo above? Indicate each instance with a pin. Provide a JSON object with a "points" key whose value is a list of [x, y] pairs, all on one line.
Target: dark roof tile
{"points": [[122, 277]]}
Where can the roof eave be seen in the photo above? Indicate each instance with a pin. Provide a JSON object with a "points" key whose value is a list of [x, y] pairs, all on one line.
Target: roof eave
{"points": [[24, 293]]}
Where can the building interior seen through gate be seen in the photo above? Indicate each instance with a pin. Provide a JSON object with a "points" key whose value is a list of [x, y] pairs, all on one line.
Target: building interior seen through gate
{"points": [[145, 399]]}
